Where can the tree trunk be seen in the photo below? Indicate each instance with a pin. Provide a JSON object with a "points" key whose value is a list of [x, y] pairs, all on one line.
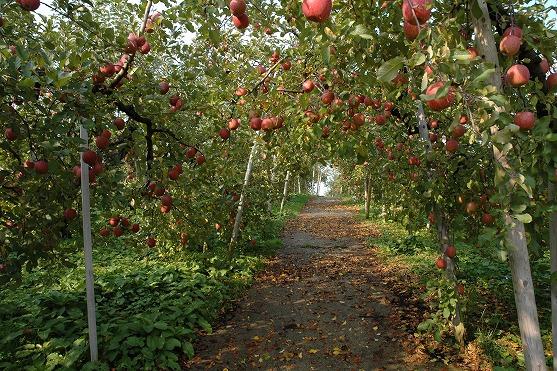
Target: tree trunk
{"points": [[285, 191], [239, 212], [299, 185], [553, 253], [515, 238], [318, 180], [313, 180]]}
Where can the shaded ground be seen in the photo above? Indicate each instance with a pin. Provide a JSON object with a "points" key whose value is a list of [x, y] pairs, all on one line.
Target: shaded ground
{"points": [[322, 303]]}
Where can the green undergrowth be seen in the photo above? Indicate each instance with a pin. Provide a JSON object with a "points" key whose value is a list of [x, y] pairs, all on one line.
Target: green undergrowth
{"points": [[150, 304], [488, 301]]}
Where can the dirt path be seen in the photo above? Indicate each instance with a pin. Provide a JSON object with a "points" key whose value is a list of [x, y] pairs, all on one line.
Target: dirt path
{"points": [[320, 304]]}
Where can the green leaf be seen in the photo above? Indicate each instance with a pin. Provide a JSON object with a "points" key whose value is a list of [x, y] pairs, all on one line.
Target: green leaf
{"points": [[417, 59], [361, 31], [172, 343], [326, 54], [484, 76], [187, 347], [389, 69], [524, 218]]}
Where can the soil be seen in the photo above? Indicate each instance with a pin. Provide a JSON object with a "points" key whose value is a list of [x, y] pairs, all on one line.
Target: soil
{"points": [[323, 303]]}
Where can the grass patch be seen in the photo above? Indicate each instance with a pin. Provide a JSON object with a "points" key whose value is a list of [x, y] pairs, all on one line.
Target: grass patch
{"points": [[150, 304]]}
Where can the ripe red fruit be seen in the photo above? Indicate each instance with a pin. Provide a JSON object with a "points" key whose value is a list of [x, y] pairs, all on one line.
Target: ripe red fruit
{"points": [[114, 221], [413, 160], [241, 91], [145, 48], [117, 231], [544, 65], [165, 209], [106, 133], [119, 123], [200, 159], [327, 97], [442, 102], [241, 21], [433, 137], [224, 133], [325, 132], [389, 106], [552, 81], [135, 228], [471, 207], [70, 214], [29, 165], [29, 5], [255, 123], [441, 263], [107, 69], [41, 167], [487, 219], [102, 142], [451, 145], [463, 119], [472, 53], [173, 174], [104, 232], [164, 87], [125, 222], [166, 200], [233, 124], [359, 119], [173, 100], [434, 124], [308, 86], [191, 152], [286, 65], [317, 10], [525, 120], [514, 31], [458, 131], [98, 168], [10, 134], [380, 119], [410, 31], [460, 289], [518, 75], [151, 242], [261, 69], [76, 170], [450, 251], [89, 157], [267, 124], [421, 11], [510, 45], [237, 7]]}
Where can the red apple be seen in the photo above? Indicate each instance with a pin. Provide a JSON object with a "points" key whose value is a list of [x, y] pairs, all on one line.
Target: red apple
{"points": [[441, 103], [510, 45], [267, 124], [308, 86], [165, 209], [286, 65], [514, 31], [544, 65], [451, 145], [164, 87], [525, 120], [166, 200], [41, 167], [135, 228], [441, 263], [517, 75], [224, 133], [10, 134], [29, 5], [114, 221], [458, 131], [487, 219], [102, 142], [552, 81], [89, 157], [450, 251], [104, 232], [255, 123], [106, 133], [472, 53], [237, 7], [117, 232], [410, 31], [233, 124], [191, 152], [419, 10], [241, 91], [119, 123], [151, 242], [200, 159], [241, 21], [317, 10], [70, 214], [327, 97]]}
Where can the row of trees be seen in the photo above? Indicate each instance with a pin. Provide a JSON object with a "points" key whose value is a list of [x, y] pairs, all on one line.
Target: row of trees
{"points": [[287, 86]]}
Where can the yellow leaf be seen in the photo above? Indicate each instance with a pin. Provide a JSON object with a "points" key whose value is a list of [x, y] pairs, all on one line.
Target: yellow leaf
{"points": [[336, 351], [256, 338], [313, 351]]}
